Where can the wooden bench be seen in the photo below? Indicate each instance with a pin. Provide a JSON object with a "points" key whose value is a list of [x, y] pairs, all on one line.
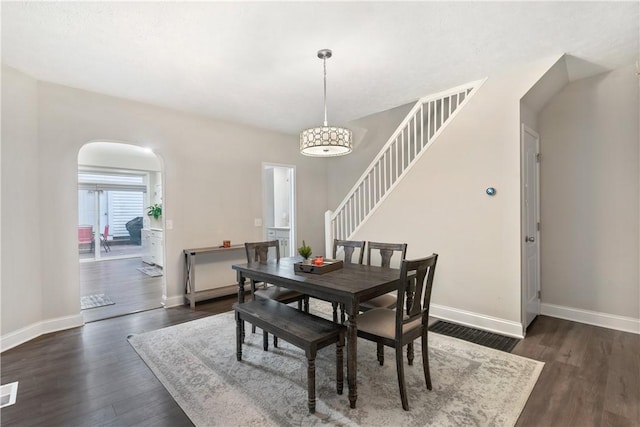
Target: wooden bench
{"points": [[303, 330]]}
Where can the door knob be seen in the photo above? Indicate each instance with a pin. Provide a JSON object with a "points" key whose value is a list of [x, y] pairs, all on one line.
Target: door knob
{"points": [[529, 239]]}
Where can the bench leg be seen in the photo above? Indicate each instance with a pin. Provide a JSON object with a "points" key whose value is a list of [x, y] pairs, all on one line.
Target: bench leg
{"points": [[339, 364], [311, 382], [239, 330], [275, 341], [265, 340]]}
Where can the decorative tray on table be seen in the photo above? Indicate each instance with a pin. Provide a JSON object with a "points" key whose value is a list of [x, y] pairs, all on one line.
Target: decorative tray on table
{"points": [[327, 266]]}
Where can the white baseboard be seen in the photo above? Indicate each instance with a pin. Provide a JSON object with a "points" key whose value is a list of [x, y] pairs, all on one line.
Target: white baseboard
{"points": [[605, 320], [222, 291], [476, 320], [30, 332], [173, 301]]}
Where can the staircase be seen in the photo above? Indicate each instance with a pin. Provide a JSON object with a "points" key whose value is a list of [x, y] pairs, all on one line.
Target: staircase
{"points": [[422, 126]]}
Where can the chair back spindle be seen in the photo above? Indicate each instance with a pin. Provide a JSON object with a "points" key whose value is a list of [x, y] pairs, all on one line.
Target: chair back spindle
{"points": [[386, 252], [259, 251], [349, 247]]}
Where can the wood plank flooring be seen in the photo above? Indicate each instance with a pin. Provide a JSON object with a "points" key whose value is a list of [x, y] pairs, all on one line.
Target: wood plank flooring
{"points": [[91, 376], [130, 289], [591, 375]]}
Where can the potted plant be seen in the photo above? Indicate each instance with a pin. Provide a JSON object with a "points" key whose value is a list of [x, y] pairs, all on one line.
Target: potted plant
{"points": [[305, 252], [155, 210]]}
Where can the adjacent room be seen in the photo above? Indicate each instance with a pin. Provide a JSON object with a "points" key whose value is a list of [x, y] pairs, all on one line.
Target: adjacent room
{"points": [[304, 213]]}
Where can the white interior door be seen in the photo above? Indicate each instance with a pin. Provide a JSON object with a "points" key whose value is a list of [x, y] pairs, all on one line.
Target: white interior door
{"points": [[531, 228]]}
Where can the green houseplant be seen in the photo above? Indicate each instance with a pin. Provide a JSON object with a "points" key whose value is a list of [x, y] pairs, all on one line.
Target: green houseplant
{"points": [[304, 250], [155, 210]]}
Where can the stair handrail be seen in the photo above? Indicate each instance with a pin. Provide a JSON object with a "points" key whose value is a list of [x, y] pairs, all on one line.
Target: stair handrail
{"points": [[330, 217], [475, 85]]}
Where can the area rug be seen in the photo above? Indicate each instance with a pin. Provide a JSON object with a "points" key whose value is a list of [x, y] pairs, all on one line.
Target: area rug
{"points": [[196, 362], [93, 301], [151, 271]]}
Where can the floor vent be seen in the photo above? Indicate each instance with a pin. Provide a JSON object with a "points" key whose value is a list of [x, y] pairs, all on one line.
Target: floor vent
{"points": [[8, 394], [476, 336]]}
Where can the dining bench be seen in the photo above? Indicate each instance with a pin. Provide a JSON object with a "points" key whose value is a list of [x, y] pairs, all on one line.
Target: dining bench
{"points": [[303, 330]]}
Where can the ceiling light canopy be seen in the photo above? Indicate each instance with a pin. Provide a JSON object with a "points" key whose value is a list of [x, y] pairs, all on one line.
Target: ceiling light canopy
{"points": [[325, 140]]}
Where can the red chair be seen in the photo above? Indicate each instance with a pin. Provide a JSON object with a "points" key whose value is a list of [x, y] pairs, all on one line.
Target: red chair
{"points": [[103, 239], [85, 235]]}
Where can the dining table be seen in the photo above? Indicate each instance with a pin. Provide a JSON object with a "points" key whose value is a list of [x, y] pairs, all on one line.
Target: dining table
{"points": [[349, 286]]}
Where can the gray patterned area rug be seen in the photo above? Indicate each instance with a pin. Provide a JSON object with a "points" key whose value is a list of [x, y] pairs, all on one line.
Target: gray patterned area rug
{"points": [[196, 362], [94, 301]]}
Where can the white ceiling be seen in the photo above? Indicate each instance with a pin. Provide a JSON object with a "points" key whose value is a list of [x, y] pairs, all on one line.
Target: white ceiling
{"points": [[256, 63]]}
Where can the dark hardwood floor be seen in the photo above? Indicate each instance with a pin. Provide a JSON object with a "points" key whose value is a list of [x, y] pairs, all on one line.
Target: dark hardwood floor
{"points": [[91, 376], [591, 375], [130, 289]]}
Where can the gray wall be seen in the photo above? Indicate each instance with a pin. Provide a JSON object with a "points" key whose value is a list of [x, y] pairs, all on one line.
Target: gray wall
{"points": [[441, 206], [590, 195], [22, 253], [213, 190]]}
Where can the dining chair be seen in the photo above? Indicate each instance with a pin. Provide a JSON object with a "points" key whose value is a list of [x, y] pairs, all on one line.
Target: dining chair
{"points": [[85, 236], [349, 247], [387, 250], [394, 328], [259, 252]]}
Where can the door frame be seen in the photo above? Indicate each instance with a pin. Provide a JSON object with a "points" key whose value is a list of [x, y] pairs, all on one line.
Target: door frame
{"points": [[125, 146], [524, 276]]}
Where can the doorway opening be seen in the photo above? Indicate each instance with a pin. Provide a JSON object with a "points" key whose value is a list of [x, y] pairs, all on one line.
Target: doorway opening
{"points": [[120, 272], [279, 213]]}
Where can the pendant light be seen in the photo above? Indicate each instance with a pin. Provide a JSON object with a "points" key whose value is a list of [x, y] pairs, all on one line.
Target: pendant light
{"points": [[325, 140]]}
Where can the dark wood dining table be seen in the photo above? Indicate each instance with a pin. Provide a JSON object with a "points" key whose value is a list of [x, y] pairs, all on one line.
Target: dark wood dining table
{"points": [[350, 285]]}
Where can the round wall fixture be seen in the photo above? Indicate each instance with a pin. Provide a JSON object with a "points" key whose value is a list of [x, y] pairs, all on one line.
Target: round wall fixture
{"points": [[491, 191]]}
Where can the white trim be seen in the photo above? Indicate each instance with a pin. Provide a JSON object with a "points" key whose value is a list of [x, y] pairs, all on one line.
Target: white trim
{"points": [[477, 320], [604, 320], [28, 333], [10, 390], [174, 301]]}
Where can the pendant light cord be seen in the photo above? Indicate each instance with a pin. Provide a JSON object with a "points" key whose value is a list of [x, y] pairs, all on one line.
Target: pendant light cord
{"points": [[324, 60]]}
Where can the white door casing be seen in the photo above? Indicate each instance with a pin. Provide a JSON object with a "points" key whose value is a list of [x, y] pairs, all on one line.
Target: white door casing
{"points": [[530, 141]]}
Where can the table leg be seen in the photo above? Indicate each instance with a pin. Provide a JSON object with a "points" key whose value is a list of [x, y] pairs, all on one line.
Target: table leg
{"points": [[352, 352], [190, 278], [241, 280]]}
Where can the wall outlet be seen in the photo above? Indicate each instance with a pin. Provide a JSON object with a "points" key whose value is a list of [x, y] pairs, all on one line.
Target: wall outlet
{"points": [[257, 222]]}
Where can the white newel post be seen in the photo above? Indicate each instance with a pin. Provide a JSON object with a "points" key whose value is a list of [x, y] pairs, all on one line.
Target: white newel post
{"points": [[328, 234]]}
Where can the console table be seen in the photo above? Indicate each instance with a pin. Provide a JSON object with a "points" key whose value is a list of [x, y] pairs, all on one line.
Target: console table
{"points": [[190, 293]]}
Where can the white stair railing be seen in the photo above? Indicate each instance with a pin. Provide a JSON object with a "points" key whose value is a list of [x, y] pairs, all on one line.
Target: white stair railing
{"points": [[422, 126]]}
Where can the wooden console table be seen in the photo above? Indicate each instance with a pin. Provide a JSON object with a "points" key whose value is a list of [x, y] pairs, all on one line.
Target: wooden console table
{"points": [[190, 293]]}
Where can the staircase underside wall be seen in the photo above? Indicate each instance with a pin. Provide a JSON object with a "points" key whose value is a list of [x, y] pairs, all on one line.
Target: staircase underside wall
{"points": [[441, 206]]}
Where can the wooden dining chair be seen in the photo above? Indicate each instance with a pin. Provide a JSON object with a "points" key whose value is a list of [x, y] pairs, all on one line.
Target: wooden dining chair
{"points": [[259, 252], [387, 250], [349, 247], [394, 328]]}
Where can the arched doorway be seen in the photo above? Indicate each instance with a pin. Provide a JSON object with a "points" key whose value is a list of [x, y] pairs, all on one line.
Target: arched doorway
{"points": [[121, 269]]}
